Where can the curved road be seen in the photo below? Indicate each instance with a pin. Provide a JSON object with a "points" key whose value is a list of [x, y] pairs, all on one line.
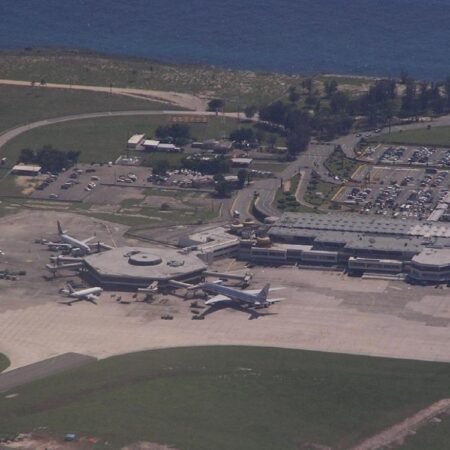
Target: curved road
{"points": [[187, 101]]}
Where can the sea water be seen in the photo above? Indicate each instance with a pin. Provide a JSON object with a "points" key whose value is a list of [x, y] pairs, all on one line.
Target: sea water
{"points": [[375, 37]]}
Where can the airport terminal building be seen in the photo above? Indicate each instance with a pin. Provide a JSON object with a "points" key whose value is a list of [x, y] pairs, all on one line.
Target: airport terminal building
{"points": [[130, 268], [418, 250]]}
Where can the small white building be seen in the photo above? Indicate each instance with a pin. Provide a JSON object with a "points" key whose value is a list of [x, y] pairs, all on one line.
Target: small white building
{"points": [[150, 144], [26, 169], [135, 140], [170, 148], [241, 162]]}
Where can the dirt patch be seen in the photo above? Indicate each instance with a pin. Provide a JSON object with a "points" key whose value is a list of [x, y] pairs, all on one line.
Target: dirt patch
{"points": [[147, 446], [43, 440], [26, 184]]}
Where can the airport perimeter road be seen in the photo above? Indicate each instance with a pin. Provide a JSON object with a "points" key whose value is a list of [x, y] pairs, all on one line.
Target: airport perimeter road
{"points": [[187, 101], [313, 158]]}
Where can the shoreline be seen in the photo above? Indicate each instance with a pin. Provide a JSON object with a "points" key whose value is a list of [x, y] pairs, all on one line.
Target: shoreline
{"points": [[89, 53]]}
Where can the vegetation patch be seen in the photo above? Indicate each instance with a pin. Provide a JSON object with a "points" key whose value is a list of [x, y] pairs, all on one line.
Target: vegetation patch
{"points": [[286, 201], [318, 191], [339, 165], [434, 136], [22, 105]]}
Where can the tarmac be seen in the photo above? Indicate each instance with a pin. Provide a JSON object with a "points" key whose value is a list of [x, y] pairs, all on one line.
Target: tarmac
{"points": [[323, 310]]}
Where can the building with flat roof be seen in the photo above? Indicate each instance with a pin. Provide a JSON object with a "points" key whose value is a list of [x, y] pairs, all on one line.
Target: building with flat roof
{"points": [[135, 140], [130, 268], [26, 169], [150, 144], [358, 243]]}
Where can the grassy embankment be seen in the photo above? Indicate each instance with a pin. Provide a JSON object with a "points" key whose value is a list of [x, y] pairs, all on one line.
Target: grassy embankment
{"points": [[4, 362], [22, 105], [435, 136], [228, 397], [238, 88]]}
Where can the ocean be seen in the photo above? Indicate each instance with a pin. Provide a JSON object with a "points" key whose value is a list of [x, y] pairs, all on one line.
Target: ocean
{"points": [[370, 37]]}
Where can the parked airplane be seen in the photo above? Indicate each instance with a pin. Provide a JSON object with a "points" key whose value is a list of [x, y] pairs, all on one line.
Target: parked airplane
{"points": [[251, 297], [89, 294], [69, 243]]}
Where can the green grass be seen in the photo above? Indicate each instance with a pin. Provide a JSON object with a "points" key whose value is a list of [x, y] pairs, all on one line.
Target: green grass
{"points": [[338, 164], [224, 398], [104, 139], [4, 362], [435, 136], [22, 105], [238, 88], [327, 190]]}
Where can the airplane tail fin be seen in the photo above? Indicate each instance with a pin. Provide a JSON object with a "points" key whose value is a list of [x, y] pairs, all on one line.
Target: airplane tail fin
{"points": [[60, 230], [264, 292], [70, 288]]}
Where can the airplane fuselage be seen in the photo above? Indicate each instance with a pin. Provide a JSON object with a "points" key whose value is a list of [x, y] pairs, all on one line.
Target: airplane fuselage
{"points": [[75, 243], [234, 294]]}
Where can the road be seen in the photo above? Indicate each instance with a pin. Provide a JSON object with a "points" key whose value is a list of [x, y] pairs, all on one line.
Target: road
{"points": [[187, 101], [312, 158]]}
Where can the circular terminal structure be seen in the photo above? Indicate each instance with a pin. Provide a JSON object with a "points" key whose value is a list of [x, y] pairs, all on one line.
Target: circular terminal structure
{"points": [[144, 259]]}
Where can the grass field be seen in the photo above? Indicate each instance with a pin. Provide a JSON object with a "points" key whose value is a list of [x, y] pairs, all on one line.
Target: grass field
{"points": [[238, 88], [22, 105], [104, 139], [320, 192], [4, 362], [436, 136], [224, 398]]}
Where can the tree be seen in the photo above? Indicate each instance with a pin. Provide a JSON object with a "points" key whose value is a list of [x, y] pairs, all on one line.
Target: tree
{"points": [[331, 87], [250, 111], [216, 104], [298, 140], [294, 96], [339, 102], [307, 84], [27, 155], [222, 188], [276, 112], [178, 133], [160, 167], [243, 134], [242, 177]]}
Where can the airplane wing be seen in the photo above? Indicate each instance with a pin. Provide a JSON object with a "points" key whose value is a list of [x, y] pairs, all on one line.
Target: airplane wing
{"points": [[275, 300], [218, 299], [257, 291], [85, 241]]}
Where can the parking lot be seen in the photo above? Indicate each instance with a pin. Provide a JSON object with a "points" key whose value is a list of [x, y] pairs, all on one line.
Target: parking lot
{"points": [[407, 155], [80, 183], [396, 192]]}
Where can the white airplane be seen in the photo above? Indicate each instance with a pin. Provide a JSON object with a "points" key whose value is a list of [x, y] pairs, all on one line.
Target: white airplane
{"points": [[251, 297], [69, 242], [89, 294]]}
